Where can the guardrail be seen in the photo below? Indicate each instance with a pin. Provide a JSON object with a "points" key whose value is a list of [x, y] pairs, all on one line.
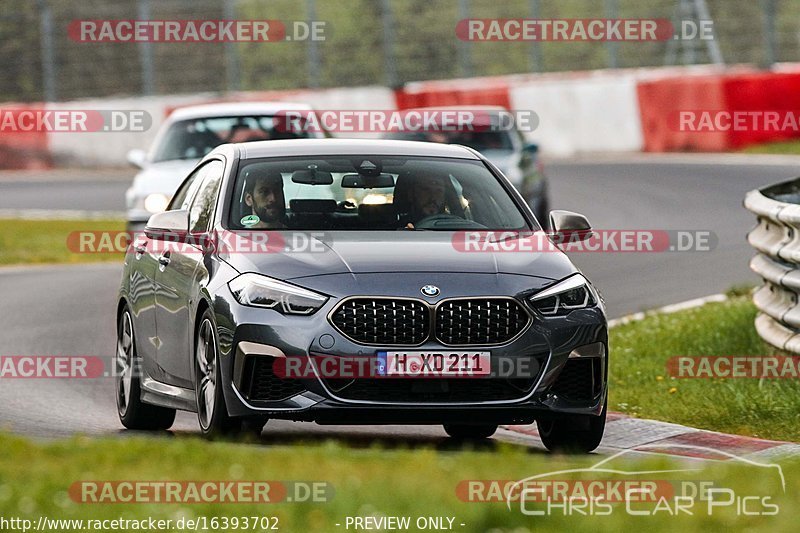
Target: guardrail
{"points": [[776, 238]]}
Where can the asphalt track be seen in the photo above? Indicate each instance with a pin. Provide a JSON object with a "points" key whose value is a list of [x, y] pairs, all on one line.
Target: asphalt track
{"points": [[69, 310]]}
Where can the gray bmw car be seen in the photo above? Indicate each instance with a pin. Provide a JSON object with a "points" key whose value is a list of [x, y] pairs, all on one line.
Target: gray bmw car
{"points": [[359, 282]]}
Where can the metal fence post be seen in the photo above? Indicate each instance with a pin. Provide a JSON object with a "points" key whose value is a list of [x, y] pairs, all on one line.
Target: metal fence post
{"points": [[48, 59], [312, 49], [389, 55], [612, 12], [231, 51], [146, 51], [770, 44], [536, 46], [463, 50]]}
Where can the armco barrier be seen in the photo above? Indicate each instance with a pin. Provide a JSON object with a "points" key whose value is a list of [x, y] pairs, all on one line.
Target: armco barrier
{"points": [[776, 239]]}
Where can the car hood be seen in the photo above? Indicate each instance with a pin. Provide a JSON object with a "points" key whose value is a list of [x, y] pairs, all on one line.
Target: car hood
{"points": [[163, 177], [386, 252]]}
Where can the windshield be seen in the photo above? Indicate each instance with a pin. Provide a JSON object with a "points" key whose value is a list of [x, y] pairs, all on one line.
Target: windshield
{"points": [[194, 138], [371, 193], [478, 140]]}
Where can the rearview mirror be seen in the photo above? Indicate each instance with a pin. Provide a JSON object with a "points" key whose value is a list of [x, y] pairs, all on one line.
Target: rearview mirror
{"points": [[312, 177], [567, 225], [359, 181], [169, 224], [137, 158]]}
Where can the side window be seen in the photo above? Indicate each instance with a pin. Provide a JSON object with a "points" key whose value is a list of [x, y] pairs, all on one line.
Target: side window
{"points": [[186, 190], [202, 210]]}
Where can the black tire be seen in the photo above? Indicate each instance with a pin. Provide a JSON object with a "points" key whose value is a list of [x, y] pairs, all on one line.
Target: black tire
{"points": [[573, 433], [253, 427], [470, 431], [133, 413], [212, 413]]}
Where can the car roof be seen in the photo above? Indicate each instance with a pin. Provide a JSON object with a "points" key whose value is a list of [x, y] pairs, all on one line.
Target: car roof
{"points": [[232, 109], [380, 147]]}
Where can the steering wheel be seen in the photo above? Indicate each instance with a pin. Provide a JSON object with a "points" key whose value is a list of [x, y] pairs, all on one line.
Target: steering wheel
{"points": [[441, 220]]}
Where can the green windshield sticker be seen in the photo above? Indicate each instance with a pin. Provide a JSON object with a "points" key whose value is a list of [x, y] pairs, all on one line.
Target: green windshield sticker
{"points": [[250, 220]]}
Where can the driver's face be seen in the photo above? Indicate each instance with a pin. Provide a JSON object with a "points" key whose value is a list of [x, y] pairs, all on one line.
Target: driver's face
{"points": [[429, 197], [267, 200]]}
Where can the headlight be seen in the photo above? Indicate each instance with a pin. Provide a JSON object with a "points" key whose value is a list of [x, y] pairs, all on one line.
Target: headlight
{"points": [[255, 290], [563, 297], [156, 202]]}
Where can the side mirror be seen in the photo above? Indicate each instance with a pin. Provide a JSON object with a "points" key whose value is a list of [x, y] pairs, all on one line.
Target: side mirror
{"points": [[137, 158], [567, 225], [169, 224]]}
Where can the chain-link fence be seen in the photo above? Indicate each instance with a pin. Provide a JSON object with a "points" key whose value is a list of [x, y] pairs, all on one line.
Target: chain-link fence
{"points": [[385, 42]]}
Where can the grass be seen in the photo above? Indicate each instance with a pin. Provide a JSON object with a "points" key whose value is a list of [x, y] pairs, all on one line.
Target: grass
{"points": [[46, 241], [35, 479], [782, 148], [640, 386]]}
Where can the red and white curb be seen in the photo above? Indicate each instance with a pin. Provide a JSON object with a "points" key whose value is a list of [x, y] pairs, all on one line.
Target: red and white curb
{"points": [[652, 436]]}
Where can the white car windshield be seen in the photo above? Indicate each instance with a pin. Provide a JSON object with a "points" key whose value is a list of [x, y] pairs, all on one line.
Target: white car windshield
{"points": [[194, 138]]}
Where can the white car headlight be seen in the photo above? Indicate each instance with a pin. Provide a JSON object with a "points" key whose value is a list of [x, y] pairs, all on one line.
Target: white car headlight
{"points": [[255, 290], [156, 202], [565, 296]]}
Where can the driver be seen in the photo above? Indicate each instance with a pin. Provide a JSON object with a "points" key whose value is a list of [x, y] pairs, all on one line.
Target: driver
{"points": [[428, 198], [263, 193]]}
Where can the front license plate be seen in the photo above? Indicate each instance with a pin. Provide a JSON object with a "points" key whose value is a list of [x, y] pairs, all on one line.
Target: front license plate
{"points": [[434, 364]]}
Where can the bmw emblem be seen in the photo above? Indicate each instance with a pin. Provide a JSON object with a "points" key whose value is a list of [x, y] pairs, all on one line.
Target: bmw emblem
{"points": [[430, 290]]}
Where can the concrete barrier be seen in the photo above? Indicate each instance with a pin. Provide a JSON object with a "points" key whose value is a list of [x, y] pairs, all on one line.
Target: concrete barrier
{"points": [[583, 115]]}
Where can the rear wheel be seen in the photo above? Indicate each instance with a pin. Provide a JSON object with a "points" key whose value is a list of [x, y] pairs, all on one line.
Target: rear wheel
{"points": [[470, 431], [133, 413], [573, 433]]}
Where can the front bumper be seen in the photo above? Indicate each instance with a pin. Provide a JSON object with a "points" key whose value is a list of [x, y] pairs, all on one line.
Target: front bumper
{"points": [[249, 337]]}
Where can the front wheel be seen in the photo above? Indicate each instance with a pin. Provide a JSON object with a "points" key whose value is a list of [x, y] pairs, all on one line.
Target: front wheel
{"points": [[212, 413], [573, 433], [470, 432]]}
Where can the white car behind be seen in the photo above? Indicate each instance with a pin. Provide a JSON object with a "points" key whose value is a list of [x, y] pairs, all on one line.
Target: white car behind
{"points": [[187, 135]]}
